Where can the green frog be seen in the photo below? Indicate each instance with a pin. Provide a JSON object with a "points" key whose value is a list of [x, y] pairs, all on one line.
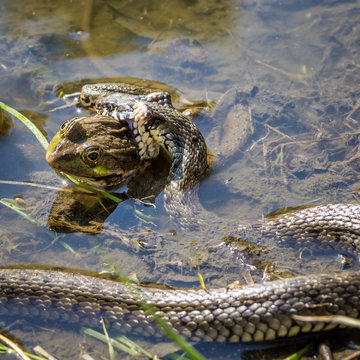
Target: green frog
{"points": [[97, 150]]}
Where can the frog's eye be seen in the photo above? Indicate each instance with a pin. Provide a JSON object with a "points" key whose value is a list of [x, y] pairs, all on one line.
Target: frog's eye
{"points": [[64, 126], [92, 155]]}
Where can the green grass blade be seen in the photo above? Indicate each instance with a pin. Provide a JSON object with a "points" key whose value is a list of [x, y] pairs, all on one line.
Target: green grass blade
{"points": [[40, 137], [299, 354], [110, 346], [11, 204], [125, 340], [100, 192], [172, 334], [69, 248], [145, 216], [102, 337], [201, 279]]}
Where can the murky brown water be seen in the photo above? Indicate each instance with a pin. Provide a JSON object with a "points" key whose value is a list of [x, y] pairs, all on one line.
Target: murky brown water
{"points": [[295, 64]]}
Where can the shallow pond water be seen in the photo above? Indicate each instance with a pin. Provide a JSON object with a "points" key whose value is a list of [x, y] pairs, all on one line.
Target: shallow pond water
{"points": [[294, 65]]}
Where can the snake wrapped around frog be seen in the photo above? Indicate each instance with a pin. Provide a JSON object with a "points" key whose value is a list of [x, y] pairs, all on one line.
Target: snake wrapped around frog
{"points": [[258, 312]]}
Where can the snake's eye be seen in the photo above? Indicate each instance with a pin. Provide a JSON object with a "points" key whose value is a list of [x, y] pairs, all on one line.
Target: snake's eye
{"points": [[92, 155], [110, 107], [86, 101], [64, 126]]}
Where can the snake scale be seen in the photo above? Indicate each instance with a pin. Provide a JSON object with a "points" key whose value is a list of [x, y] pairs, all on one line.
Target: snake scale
{"points": [[258, 312]]}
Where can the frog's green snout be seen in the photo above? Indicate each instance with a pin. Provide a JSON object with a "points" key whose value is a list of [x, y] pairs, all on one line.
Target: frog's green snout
{"points": [[50, 154]]}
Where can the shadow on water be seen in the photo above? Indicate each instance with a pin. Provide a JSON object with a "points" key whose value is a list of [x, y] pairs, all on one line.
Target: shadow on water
{"points": [[294, 66]]}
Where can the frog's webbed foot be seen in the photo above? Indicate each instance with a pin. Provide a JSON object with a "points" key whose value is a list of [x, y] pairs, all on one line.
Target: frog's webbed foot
{"points": [[146, 135]]}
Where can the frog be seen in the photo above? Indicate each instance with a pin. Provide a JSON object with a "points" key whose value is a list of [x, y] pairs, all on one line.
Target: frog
{"points": [[97, 150]]}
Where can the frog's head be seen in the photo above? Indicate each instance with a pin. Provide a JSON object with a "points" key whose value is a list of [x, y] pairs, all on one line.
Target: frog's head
{"points": [[97, 150]]}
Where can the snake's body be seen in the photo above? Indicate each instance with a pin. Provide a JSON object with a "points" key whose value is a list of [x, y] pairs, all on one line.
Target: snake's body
{"points": [[253, 313]]}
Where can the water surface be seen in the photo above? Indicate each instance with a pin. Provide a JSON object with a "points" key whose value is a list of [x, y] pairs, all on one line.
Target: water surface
{"points": [[295, 64]]}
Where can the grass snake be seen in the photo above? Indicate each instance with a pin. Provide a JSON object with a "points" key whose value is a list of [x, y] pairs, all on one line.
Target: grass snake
{"points": [[253, 313]]}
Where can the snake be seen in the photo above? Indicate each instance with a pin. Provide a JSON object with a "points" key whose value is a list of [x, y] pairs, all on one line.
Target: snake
{"points": [[157, 125], [259, 312]]}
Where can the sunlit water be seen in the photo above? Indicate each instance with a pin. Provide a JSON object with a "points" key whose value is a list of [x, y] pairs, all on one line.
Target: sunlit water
{"points": [[303, 58]]}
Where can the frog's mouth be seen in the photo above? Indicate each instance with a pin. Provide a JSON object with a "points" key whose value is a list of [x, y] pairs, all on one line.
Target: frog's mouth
{"points": [[111, 181]]}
